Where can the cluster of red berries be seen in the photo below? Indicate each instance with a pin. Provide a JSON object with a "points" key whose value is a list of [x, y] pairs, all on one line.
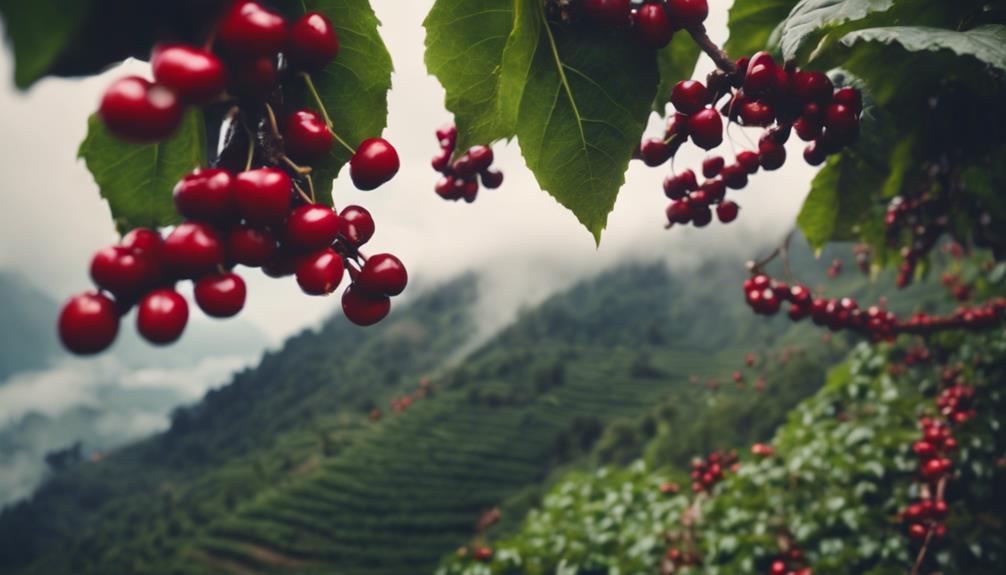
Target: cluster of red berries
{"points": [[764, 94], [923, 219], [956, 403], [679, 559], [918, 355], [708, 472], [790, 562], [253, 218], [652, 22], [481, 553], [461, 176], [835, 269], [958, 289]]}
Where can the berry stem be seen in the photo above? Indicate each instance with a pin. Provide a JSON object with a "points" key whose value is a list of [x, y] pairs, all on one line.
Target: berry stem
{"points": [[917, 566], [302, 170], [273, 125], [303, 196], [718, 56], [310, 186], [251, 152], [324, 112]]}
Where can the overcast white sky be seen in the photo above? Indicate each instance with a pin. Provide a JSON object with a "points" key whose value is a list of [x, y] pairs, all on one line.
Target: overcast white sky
{"points": [[53, 218]]}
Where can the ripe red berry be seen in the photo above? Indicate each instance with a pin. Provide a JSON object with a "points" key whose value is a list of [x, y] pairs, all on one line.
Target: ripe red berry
{"points": [[654, 24], [161, 316], [192, 249], [88, 323], [654, 152], [491, 178], [383, 274], [706, 128], [613, 13], [771, 154], [195, 75], [282, 264], [311, 227], [442, 160], [481, 157], [814, 154], [123, 272], [712, 165], [136, 110], [807, 129], [312, 42], [749, 161], [320, 273], [688, 13], [842, 123], [812, 87], [263, 195], [761, 77], [206, 194], [249, 30], [727, 211], [254, 77], [221, 295], [364, 308], [714, 190], [735, 176], [917, 531], [250, 246], [306, 136], [689, 96], [701, 215], [849, 97], [374, 163], [356, 225], [145, 241], [757, 113]]}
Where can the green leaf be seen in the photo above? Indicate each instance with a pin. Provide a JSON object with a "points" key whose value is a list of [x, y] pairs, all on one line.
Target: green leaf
{"points": [[839, 201], [137, 179], [354, 87], [987, 43], [675, 62], [40, 31], [752, 22], [583, 105], [464, 49], [809, 17]]}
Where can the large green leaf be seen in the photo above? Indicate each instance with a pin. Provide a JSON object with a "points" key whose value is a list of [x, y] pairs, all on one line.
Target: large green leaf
{"points": [[809, 17], [137, 179], [582, 98], [354, 87], [751, 24], [676, 62], [39, 31], [464, 49], [839, 201], [987, 43]]}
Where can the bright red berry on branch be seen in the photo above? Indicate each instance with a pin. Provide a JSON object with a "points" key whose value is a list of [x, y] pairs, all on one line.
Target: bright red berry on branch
{"points": [[193, 249], [221, 295], [195, 75], [654, 25], [321, 272], [688, 13], [263, 195], [123, 272], [706, 128], [312, 42], [374, 163], [356, 225], [383, 274], [206, 194], [249, 30], [250, 246], [137, 111], [689, 96], [88, 323], [306, 136], [363, 308], [161, 316], [311, 227]]}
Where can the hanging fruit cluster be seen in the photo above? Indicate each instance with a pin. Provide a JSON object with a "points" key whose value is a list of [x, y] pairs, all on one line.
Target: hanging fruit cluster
{"points": [[708, 472], [461, 175], [265, 215]]}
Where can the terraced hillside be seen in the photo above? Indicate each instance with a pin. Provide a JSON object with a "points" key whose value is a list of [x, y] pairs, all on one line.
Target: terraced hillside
{"points": [[282, 472]]}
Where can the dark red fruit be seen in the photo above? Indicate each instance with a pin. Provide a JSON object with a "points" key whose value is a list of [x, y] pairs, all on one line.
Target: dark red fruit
{"points": [[463, 167], [807, 129], [161, 316], [481, 157], [706, 128], [654, 25], [491, 178], [192, 249], [207, 195], [364, 308], [849, 97], [814, 154], [727, 211], [249, 30], [311, 227], [654, 152], [320, 272], [221, 295], [757, 113], [442, 160], [613, 13], [735, 176], [842, 123], [711, 166], [306, 136], [689, 96], [749, 161], [145, 241], [701, 215], [281, 265], [356, 225], [771, 155], [123, 272], [312, 42], [812, 87], [680, 212], [88, 323], [254, 76], [761, 77], [383, 274], [263, 195], [197, 76], [136, 110], [250, 246], [374, 163], [688, 13], [714, 190]]}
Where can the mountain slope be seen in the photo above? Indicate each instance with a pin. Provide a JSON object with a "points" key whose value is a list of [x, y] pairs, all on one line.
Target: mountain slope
{"points": [[27, 338]]}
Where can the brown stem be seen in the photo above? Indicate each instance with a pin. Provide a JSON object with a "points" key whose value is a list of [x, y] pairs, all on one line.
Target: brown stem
{"points": [[917, 566], [718, 56]]}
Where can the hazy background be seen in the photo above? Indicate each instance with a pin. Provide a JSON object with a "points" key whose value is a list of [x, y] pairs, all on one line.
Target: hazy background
{"points": [[524, 243]]}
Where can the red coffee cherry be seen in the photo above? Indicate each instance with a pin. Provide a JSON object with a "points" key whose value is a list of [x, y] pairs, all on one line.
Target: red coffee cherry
{"points": [[123, 272], [254, 77], [88, 323], [356, 225], [196, 76], [221, 295], [137, 111], [491, 178], [812, 87], [252, 247], [312, 42], [849, 97], [306, 136], [727, 211], [654, 25], [383, 274], [610, 13], [364, 308], [192, 249], [161, 316], [249, 30], [206, 195], [374, 163], [706, 128], [320, 273], [689, 96], [263, 195], [688, 13], [311, 227], [654, 152]]}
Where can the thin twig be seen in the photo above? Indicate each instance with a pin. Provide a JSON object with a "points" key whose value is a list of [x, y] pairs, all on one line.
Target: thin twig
{"points": [[715, 53], [324, 112], [303, 196]]}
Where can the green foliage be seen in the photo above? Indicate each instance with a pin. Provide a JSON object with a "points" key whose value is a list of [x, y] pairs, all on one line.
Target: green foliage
{"points": [[39, 30], [839, 201], [810, 18], [675, 62], [986, 44], [752, 24], [353, 87], [137, 179]]}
